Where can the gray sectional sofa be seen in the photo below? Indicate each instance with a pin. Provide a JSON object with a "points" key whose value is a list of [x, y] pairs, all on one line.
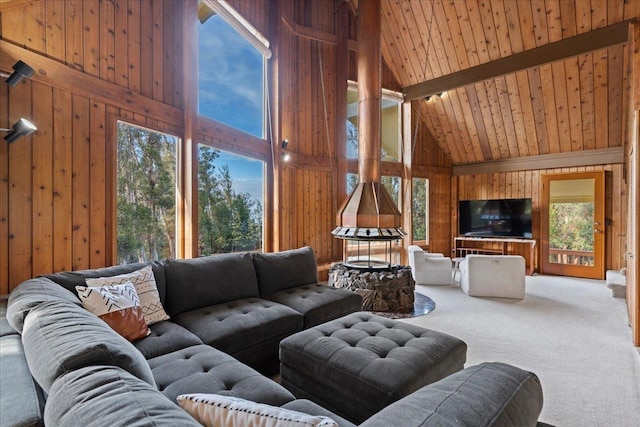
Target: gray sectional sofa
{"points": [[63, 366]]}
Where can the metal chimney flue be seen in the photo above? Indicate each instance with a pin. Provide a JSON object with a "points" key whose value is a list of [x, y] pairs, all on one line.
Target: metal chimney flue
{"points": [[369, 213]]}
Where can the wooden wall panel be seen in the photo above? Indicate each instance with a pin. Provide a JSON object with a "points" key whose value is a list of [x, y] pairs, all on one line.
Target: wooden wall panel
{"points": [[132, 43], [527, 184]]}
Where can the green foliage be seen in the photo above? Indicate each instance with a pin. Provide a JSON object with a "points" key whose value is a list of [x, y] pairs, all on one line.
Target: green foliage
{"points": [[146, 201], [146, 180], [571, 226], [227, 221], [419, 209]]}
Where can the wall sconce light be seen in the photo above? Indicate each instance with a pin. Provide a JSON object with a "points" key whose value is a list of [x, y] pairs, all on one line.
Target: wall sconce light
{"points": [[20, 128], [285, 155], [21, 71]]}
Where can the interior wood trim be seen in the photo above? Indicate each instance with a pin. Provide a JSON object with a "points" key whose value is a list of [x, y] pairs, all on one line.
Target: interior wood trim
{"points": [[310, 33], [61, 76], [233, 140], [611, 35], [604, 156]]}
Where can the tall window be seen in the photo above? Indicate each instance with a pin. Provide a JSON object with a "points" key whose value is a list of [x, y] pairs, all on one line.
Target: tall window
{"points": [[229, 202], [231, 90], [420, 210], [146, 194], [231, 76], [390, 124]]}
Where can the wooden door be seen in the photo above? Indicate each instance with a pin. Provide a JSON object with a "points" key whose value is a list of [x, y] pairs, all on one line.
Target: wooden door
{"points": [[573, 224]]}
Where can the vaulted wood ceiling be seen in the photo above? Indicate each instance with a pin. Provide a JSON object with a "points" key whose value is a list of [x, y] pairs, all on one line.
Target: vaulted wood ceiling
{"points": [[566, 106]]}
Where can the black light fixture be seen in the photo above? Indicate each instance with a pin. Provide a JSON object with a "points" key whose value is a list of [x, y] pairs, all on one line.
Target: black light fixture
{"points": [[21, 71], [22, 127], [285, 155]]}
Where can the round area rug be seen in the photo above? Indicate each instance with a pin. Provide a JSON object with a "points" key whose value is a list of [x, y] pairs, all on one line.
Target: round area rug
{"points": [[422, 305]]}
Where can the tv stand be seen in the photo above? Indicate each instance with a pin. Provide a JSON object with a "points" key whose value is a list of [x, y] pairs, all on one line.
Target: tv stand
{"points": [[465, 245]]}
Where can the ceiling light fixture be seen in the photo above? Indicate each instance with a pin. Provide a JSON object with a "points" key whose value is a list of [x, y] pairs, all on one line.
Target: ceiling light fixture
{"points": [[21, 71], [22, 127]]}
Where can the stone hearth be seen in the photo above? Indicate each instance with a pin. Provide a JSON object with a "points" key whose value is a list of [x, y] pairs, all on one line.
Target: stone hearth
{"points": [[381, 290]]}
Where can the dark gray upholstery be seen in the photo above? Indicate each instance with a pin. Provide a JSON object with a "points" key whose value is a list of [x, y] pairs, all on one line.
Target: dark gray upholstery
{"points": [[308, 407], [243, 328], [30, 294], [318, 303], [165, 337], [202, 369], [107, 396], [5, 327], [21, 400], [282, 270], [490, 394], [71, 279], [201, 282], [59, 337], [358, 364]]}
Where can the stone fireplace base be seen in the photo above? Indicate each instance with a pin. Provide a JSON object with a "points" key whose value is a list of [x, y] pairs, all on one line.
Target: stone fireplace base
{"points": [[381, 290]]}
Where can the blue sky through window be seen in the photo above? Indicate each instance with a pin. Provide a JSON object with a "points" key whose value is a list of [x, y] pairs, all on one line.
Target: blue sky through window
{"points": [[230, 91], [230, 77]]}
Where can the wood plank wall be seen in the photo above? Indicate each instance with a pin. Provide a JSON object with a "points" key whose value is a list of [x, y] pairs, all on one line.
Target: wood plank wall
{"points": [[309, 200], [528, 184], [54, 186]]}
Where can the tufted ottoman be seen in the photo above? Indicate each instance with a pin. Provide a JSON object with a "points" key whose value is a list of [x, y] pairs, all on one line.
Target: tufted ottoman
{"points": [[360, 363]]}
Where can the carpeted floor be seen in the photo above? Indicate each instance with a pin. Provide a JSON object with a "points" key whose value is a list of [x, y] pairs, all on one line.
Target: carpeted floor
{"points": [[569, 331]]}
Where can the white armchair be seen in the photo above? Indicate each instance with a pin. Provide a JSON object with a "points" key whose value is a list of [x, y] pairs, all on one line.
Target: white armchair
{"points": [[429, 268], [498, 276]]}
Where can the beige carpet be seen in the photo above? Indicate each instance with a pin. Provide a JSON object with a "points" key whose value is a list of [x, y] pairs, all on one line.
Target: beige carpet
{"points": [[569, 331]]}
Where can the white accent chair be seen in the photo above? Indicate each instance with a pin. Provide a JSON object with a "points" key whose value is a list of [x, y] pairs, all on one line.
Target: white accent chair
{"points": [[429, 268], [498, 276]]}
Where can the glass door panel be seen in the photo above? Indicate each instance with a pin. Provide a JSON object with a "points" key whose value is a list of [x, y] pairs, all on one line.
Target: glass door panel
{"points": [[572, 226]]}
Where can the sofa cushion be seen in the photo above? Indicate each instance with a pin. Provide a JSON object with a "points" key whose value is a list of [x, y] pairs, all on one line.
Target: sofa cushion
{"points": [[59, 337], [318, 303], [5, 327], [213, 410], [203, 369], [282, 270], [21, 399], [165, 337], [241, 324], [146, 288], [201, 282], [71, 279], [30, 294], [489, 394], [118, 306], [109, 396]]}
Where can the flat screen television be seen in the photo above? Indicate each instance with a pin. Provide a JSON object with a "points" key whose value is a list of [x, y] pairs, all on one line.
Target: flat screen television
{"points": [[495, 218]]}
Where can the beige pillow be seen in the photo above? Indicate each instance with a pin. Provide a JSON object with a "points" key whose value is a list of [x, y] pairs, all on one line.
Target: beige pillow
{"points": [[217, 410], [145, 284], [118, 306]]}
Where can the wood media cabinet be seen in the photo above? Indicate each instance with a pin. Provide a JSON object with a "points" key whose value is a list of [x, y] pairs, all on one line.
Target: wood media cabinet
{"points": [[464, 245]]}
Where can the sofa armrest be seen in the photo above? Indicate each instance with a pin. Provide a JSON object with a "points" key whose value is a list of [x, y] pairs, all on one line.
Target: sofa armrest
{"points": [[489, 394]]}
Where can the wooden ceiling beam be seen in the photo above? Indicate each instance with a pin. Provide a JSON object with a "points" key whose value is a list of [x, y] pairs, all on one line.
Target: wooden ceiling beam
{"points": [[601, 38], [602, 156]]}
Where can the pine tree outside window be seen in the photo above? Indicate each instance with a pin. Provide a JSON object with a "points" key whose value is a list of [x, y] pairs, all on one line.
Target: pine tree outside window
{"points": [[146, 194]]}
